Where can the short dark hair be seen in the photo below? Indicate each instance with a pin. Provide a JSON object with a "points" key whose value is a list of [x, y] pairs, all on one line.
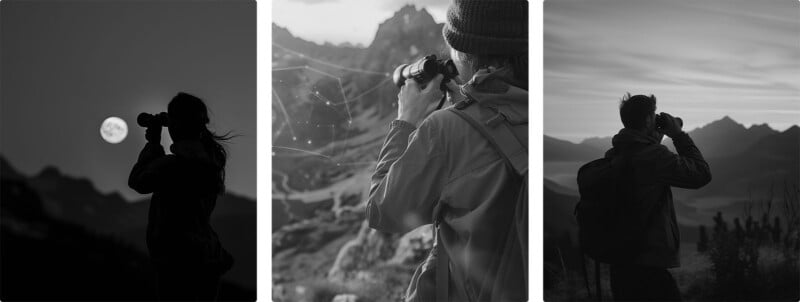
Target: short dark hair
{"points": [[635, 109]]}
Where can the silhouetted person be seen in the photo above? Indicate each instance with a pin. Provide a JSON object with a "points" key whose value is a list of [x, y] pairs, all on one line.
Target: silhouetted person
{"points": [[644, 277], [436, 166], [184, 249]]}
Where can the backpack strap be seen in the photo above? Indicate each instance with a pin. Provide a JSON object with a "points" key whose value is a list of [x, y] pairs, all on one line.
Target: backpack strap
{"points": [[442, 267], [498, 132]]}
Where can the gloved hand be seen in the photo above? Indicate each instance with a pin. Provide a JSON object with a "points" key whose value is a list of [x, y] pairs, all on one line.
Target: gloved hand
{"points": [[153, 134]]}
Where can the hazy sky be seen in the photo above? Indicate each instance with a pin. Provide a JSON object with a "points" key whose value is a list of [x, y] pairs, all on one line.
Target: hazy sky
{"points": [[66, 66], [339, 21], [702, 59]]}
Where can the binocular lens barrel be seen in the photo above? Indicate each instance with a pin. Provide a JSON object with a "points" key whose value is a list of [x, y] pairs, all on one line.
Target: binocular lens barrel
{"points": [[150, 120], [424, 70]]}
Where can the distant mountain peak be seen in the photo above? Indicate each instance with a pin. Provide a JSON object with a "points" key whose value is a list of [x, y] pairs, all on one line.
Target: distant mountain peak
{"points": [[50, 172], [726, 120], [406, 20], [724, 125], [407, 9], [760, 126]]}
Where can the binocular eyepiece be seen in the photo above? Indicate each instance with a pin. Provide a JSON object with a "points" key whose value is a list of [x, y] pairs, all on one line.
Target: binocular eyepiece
{"points": [[661, 121], [424, 70], [152, 120]]}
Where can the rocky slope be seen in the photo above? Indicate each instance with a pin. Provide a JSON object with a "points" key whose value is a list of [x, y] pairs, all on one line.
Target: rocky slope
{"points": [[331, 114]]}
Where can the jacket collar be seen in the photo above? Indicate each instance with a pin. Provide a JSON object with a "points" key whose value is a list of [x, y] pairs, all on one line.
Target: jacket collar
{"points": [[495, 88], [627, 138]]}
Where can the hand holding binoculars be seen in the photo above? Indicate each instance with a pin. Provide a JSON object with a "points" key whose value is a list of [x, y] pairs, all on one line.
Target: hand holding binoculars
{"points": [[424, 70], [668, 124]]}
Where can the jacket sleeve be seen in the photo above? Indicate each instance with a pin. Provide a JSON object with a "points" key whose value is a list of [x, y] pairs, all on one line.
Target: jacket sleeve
{"points": [[408, 179], [150, 171], [687, 169]]}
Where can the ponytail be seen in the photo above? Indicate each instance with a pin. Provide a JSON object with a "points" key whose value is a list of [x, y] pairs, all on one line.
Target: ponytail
{"points": [[190, 115]]}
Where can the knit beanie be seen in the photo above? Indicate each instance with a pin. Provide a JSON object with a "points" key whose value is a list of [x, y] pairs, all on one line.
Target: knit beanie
{"points": [[487, 26]]}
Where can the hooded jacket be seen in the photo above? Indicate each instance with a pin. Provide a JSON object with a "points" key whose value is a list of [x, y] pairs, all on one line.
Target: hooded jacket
{"points": [[446, 166], [184, 186], [655, 171]]}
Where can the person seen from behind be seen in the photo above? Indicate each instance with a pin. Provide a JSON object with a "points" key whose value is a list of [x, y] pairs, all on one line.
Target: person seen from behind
{"points": [[644, 275], [437, 168]]}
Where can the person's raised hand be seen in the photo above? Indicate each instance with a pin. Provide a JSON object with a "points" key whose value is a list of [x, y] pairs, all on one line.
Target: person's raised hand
{"points": [[671, 126], [153, 134], [415, 104]]}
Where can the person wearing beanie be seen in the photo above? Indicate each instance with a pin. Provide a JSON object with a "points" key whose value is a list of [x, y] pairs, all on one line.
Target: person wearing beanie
{"points": [[439, 167]]}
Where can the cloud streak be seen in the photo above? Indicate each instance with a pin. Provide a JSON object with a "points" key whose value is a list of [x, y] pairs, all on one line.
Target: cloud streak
{"points": [[739, 57]]}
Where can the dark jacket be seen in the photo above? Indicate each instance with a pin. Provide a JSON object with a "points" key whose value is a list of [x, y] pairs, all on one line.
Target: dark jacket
{"points": [[184, 186], [447, 164], [656, 169]]}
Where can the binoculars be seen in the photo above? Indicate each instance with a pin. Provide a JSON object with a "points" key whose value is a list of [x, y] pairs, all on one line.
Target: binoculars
{"points": [[661, 121], [152, 120], [424, 70]]}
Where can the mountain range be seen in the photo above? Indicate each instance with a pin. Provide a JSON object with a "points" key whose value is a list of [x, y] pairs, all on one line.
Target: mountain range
{"points": [[747, 164], [741, 158], [75, 201], [331, 86], [720, 138]]}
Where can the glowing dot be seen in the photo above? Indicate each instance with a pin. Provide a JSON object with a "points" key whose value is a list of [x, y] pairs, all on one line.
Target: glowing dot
{"points": [[327, 103], [273, 153], [309, 142], [294, 138]]}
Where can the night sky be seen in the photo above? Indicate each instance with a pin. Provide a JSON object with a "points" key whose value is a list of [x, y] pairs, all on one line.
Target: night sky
{"points": [[66, 66], [702, 60]]}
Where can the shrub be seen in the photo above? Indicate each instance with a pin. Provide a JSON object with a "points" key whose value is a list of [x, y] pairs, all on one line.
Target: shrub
{"points": [[757, 260]]}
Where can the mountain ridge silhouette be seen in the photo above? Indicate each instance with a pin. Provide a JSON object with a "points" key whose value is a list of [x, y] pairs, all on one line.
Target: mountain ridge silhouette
{"points": [[77, 201]]}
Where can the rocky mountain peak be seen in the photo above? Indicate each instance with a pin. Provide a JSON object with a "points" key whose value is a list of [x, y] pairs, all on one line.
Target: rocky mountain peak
{"points": [[725, 123], [408, 20]]}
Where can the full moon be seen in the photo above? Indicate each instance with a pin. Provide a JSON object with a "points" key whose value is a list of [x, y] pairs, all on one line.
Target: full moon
{"points": [[114, 130]]}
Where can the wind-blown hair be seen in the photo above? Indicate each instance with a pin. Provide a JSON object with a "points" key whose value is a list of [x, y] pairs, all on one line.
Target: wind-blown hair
{"points": [[634, 110], [191, 115]]}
